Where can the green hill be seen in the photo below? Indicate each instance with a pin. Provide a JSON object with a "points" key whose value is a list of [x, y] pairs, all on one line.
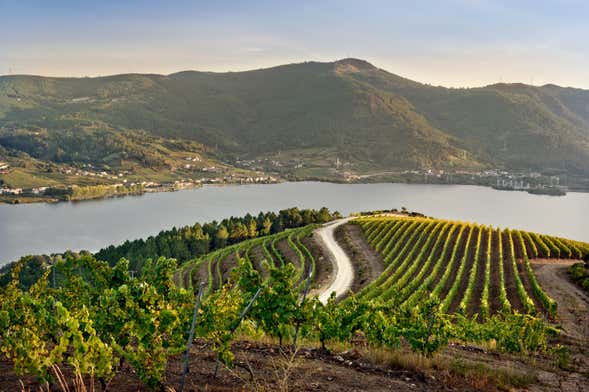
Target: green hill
{"points": [[347, 109]]}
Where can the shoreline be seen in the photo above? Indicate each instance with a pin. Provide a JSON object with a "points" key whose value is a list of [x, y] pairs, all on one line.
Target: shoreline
{"points": [[33, 199], [36, 199]]}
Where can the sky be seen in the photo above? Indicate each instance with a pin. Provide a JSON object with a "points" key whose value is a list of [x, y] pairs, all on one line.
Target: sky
{"points": [[454, 43]]}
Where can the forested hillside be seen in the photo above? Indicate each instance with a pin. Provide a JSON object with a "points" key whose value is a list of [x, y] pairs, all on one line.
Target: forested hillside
{"points": [[349, 109], [193, 241]]}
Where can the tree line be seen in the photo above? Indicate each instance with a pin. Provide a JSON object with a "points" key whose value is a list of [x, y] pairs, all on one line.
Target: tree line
{"points": [[182, 244], [192, 241]]}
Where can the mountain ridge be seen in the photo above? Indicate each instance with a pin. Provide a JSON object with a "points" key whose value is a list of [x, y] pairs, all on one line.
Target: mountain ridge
{"points": [[348, 108], [340, 61]]}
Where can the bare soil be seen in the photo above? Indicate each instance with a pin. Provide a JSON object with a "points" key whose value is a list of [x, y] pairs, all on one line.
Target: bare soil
{"points": [[368, 264], [323, 263], [439, 254], [573, 303], [227, 264], [200, 273], [510, 286], [288, 253], [459, 255], [256, 255], [474, 305], [494, 303], [463, 284], [268, 367]]}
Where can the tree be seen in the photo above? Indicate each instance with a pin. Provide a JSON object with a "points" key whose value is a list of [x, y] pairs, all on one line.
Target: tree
{"points": [[324, 215], [308, 217], [267, 226], [252, 228], [277, 226], [221, 237], [238, 232]]}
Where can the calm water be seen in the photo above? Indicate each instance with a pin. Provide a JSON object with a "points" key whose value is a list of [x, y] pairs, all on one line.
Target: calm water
{"points": [[47, 228]]}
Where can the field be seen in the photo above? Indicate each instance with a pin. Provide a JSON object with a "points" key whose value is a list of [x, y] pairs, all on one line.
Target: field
{"points": [[473, 269], [433, 305], [291, 246]]}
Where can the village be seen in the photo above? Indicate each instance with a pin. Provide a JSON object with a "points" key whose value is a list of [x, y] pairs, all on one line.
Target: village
{"points": [[118, 183], [126, 182]]}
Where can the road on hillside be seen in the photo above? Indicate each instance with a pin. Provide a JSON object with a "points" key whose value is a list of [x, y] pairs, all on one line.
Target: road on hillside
{"points": [[573, 303], [343, 271]]}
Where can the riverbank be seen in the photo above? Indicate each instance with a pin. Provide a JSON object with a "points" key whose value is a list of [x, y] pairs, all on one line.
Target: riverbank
{"points": [[98, 192], [74, 193], [24, 198]]}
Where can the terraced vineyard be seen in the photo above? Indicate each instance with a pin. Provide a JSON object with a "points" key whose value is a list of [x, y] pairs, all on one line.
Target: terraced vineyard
{"points": [[473, 269], [291, 246]]}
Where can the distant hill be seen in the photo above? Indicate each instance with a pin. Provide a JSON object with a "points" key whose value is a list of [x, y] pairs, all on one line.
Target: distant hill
{"points": [[348, 108]]}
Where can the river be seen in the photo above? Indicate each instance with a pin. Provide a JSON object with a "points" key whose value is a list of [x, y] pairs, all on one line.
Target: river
{"points": [[91, 225]]}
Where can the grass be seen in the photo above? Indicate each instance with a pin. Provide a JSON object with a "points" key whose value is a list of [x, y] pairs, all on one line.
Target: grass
{"points": [[26, 178], [447, 367], [478, 375], [481, 375]]}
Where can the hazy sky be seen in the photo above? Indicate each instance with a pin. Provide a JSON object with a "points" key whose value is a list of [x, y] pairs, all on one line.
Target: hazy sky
{"points": [[442, 42]]}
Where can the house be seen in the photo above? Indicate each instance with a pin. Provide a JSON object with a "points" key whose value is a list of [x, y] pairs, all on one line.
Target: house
{"points": [[39, 190], [4, 166], [11, 191]]}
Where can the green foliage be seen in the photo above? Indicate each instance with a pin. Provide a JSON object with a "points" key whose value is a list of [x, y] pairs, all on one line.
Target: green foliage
{"points": [[426, 327], [448, 260], [485, 312], [350, 107], [579, 273], [37, 331], [275, 310], [513, 333], [527, 302], [93, 318], [190, 242], [218, 315], [336, 322], [91, 315], [548, 303]]}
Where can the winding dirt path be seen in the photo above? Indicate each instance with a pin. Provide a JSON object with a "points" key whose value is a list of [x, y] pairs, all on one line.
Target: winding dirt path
{"points": [[573, 303], [343, 271]]}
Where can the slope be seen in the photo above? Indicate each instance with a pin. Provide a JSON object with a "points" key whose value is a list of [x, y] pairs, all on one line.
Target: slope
{"points": [[362, 114]]}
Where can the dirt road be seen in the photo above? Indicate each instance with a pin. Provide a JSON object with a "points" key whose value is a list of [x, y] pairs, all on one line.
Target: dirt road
{"points": [[573, 303], [343, 271]]}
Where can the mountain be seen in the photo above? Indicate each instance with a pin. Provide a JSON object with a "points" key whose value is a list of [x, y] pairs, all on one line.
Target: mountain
{"points": [[310, 111]]}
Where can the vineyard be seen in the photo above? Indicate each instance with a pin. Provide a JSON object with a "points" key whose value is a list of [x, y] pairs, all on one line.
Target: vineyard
{"points": [[473, 269], [436, 282], [293, 246]]}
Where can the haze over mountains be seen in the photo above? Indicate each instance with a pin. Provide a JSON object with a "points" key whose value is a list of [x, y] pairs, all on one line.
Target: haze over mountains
{"points": [[347, 108]]}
